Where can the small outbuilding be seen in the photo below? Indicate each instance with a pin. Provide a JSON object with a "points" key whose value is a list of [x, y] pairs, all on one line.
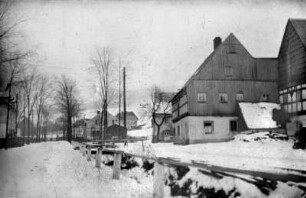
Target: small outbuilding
{"points": [[116, 132]]}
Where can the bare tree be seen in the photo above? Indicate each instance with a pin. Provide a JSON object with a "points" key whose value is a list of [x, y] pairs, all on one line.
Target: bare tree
{"points": [[29, 86], [42, 96], [67, 102], [158, 104], [102, 62], [10, 57]]}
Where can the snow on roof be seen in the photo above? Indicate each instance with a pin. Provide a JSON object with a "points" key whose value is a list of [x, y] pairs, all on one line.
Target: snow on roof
{"points": [[258, 115]]}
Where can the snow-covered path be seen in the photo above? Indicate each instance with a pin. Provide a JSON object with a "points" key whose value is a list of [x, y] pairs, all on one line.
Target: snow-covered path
{"points": [[54, 169]]}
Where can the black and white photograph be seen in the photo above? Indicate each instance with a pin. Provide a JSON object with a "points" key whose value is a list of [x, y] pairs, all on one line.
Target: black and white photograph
{"points": [[152, 99]]}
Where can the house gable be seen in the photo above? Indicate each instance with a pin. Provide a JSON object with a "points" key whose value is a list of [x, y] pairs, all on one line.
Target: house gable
{"points": [[292, 55], [230, 61]]}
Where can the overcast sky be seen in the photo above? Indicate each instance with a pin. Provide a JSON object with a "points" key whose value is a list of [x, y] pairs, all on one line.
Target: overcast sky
{"points": [[161, 43]]}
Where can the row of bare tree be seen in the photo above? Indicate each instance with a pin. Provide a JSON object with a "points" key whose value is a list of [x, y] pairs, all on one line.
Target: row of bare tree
{"points": [[31, 96]]}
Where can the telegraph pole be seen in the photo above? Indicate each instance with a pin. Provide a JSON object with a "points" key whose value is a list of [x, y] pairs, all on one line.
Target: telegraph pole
{"points": [[124, 98], [119, 94]]}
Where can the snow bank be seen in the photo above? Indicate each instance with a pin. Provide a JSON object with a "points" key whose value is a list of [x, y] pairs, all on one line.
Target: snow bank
{"points": [[258, 115]]}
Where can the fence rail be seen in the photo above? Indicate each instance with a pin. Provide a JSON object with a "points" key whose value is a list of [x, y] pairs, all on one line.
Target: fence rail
{"points": [[160, 163]]}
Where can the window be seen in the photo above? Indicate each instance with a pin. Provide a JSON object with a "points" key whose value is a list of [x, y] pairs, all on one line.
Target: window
{"points": [[289, 108], [96, 121], [293, 96], [178, 130], [208, 127], [289, 97], [113, 122], [281, 99], [233, 125], [304, 93], [265, 97], [239, 96], [201, 97], [299, 106], [228, 71], [223, 98], [293, 107], [298, 96]]}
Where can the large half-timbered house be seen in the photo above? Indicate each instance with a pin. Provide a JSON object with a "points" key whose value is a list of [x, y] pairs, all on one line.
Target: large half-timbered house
{"points": [[206, 108]]}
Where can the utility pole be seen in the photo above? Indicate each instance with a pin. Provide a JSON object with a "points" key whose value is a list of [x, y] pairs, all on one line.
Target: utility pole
{"points": [[124, 98], [119, 94], [16, 102]]}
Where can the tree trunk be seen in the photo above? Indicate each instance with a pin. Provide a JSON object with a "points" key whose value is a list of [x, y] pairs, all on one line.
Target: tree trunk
{"points": [[69, 129], [104, 119], [37, 126]]}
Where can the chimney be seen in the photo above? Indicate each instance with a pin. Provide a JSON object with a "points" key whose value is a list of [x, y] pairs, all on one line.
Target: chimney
{"points": [[217, 42]]}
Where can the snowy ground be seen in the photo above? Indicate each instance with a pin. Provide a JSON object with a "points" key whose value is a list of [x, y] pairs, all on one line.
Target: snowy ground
{"points": [[251, 152], [146, 132], [54, 169]]}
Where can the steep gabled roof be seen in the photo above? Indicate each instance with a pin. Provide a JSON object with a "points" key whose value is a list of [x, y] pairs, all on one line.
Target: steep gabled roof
{"points": [[231, 38], [300, 27], [129, 114]]}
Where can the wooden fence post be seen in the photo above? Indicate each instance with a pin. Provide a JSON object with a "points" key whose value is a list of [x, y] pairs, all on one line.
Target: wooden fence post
{"points": [[98, 158], [117, 164], [83, 149], [89, 153], [158, 180], [142, 145]]}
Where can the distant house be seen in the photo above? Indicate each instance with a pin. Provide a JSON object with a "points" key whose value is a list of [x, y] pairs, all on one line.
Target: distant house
{"points": [[206, 108], [166, 129], [292, 70], [131, 119], [93, 125]]}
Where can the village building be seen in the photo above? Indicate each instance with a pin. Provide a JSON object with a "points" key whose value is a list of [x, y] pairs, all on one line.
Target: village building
{"points": [[93, 125], [206, 108], [131, 119], [292, 70], [5, 104]]}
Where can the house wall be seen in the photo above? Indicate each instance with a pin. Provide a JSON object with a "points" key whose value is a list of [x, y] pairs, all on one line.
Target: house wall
{"points": [[3, 117], [252, 92], [192, 129]]}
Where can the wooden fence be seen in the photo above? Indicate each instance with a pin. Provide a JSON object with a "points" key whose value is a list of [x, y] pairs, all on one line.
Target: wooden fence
{"points": [[160, 163]]}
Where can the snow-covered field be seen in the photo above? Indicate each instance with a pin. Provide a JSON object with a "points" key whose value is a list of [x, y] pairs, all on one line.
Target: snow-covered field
{"points": [[54, 169]]}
